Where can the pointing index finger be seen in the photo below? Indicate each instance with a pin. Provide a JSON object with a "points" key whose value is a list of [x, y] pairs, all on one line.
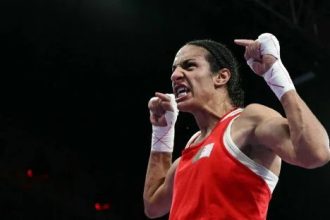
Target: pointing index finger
{"points": [[243, 42]]}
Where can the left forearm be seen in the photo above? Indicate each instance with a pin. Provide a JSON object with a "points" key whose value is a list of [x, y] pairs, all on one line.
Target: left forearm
{"points": [[307, 134]]}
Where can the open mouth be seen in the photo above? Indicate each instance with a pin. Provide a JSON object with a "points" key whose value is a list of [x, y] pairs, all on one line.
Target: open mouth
{"points": [[181, 91]]}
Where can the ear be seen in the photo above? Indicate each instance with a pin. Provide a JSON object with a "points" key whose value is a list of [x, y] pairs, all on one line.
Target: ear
{"points": [[222, 77]]}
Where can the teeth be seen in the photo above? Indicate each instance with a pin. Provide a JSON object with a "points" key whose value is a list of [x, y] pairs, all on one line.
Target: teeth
{"points": [[180, 90], [181, 94]]}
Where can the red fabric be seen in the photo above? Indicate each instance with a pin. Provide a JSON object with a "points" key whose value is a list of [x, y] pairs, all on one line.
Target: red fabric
{"points": [[218, 187]]}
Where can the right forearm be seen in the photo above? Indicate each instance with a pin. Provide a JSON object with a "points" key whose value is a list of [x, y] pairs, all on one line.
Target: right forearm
{"points": [[158, 166], [162, 144], [159, 177], [157, 192]]}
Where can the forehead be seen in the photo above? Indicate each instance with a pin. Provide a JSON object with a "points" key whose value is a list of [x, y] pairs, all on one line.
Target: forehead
{"points": [[190, 52]]}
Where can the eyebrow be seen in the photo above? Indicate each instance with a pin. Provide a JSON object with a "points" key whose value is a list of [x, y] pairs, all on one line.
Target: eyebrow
{"points": [[182, 62]]}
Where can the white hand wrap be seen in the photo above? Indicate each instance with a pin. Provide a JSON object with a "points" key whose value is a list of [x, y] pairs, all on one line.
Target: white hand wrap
{"points": [[163, 137], [277, 77]]}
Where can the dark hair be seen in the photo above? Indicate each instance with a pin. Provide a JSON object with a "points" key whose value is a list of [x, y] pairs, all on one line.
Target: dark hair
{"points": [[219, 57]]}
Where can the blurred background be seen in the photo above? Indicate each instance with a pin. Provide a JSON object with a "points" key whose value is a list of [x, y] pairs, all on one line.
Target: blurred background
{"points": [[76, 76]]}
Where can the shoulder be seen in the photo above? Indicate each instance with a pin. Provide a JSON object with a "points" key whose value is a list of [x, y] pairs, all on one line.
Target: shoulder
{"points": [[252, 116], [257, 112]]}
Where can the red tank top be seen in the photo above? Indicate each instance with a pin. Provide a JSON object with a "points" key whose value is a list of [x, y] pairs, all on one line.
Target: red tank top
{"points": [[212, 184]]}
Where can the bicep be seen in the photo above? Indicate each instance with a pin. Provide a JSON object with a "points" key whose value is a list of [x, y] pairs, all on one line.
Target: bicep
{"points": [[274, 133]]}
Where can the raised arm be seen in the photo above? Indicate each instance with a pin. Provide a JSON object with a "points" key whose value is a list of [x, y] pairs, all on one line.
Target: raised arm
{"points": [[300, 138], [158, 186]]}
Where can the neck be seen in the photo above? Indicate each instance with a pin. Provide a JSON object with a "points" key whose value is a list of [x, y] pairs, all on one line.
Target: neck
{"points": [[209, 116]]}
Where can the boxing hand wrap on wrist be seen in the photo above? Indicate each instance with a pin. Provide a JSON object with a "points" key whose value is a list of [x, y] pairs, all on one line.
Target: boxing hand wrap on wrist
{"points": [[163, 137], [277, 77]]}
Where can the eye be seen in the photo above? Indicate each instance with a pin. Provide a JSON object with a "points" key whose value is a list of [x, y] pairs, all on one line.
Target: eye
{"points": [[189, 65]]}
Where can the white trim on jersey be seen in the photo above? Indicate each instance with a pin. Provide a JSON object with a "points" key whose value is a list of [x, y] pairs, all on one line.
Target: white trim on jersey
{"points": [[232, 113], [194, 136], [270, 178]]}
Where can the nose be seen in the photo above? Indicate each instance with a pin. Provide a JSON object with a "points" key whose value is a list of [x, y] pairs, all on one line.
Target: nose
{"points": [[177, 74]]}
